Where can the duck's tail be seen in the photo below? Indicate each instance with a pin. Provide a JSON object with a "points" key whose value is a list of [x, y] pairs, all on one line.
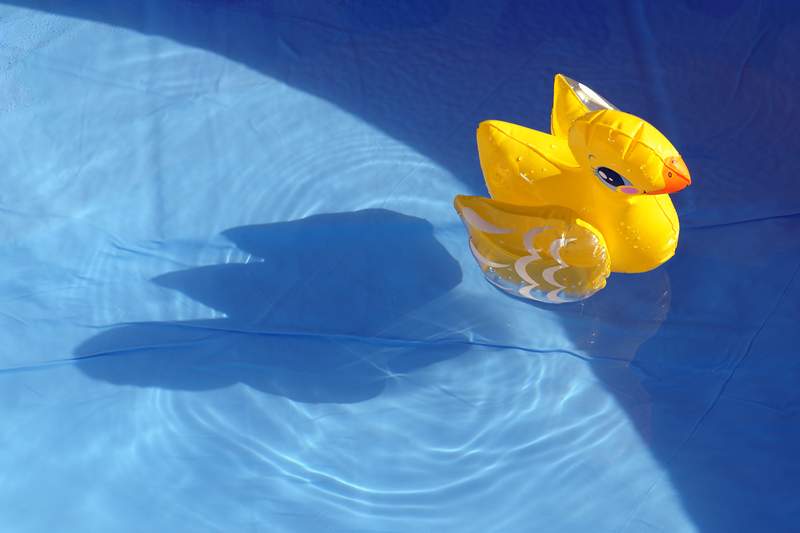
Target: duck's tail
{"points": [[546, 253]]}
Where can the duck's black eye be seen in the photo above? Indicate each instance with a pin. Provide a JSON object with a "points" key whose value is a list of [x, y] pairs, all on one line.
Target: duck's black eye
{"points": [[610, 177]]}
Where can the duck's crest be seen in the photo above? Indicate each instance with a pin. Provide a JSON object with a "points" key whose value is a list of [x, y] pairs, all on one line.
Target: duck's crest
{"points": [[572, 99]]}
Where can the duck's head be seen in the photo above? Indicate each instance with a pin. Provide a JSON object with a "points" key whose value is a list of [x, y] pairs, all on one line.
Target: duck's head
{"points": [[624, 152], [627, 154]]}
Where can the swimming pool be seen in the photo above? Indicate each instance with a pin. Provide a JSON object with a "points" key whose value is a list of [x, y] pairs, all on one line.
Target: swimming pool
{"points": [[235, 296]]}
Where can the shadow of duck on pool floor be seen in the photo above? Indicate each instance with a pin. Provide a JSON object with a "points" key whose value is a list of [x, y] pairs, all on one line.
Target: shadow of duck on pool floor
{"points": [[330, 291]]}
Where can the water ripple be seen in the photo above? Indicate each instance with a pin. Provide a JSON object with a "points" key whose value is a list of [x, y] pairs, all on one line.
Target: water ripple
{"points": [[467, 447]]}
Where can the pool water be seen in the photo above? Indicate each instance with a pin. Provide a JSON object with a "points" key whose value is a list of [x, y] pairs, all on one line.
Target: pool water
{"points": [[234, 295]]}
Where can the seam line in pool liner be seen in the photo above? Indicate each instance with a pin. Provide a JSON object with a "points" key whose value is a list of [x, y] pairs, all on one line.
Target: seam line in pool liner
{"points": [[385, 341]]}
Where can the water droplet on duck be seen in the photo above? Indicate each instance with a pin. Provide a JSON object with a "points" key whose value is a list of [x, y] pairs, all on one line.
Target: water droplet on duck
{"points": [[519, 158]]}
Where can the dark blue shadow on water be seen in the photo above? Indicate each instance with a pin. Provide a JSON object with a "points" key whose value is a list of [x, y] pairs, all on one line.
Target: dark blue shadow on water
{"points": [[310, 319], [702, 355], [426, 72], [362, 56]]}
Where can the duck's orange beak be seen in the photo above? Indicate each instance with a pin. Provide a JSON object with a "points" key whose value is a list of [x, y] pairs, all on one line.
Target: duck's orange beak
{"points": [[676, 176]]}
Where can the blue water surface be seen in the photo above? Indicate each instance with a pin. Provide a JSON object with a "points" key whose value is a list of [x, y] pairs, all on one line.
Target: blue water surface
{"points": [[234, 295]]}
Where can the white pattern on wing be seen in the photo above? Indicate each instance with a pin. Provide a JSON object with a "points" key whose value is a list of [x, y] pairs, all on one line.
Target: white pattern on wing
{"points": [[549, 273], [526, 292], [521, 267], [482, 260], [522, 263], [527, 240], [555, 249], [475, 220], [555, 298]]}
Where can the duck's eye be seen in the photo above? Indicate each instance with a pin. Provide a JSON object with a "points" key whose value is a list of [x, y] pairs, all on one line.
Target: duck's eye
{"points": [[610, 177]]}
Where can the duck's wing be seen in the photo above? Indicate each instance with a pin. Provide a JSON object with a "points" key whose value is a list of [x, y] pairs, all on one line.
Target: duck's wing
{"points": [[543, 253], [514, 157], [572, 99]]}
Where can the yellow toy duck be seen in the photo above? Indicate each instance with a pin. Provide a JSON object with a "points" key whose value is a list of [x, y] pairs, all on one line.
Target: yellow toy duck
{"points": [[568, 208]]}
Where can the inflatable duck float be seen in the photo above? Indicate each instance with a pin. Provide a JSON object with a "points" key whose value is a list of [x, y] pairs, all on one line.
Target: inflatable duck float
{"points": [[570, 207]]}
